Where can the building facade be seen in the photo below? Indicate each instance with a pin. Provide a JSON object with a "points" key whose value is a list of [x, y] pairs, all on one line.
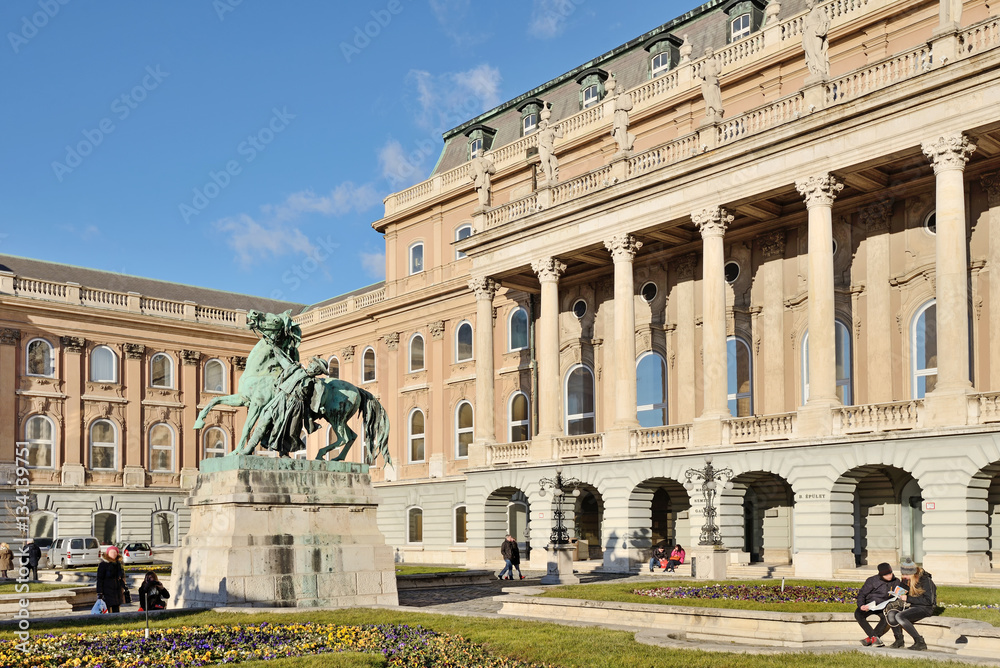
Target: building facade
{"points": [[764, 234]]}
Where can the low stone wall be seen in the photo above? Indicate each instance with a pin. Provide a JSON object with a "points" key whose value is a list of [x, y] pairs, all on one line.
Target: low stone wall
{"points": [[953, 635], [434, 580], [58, 601]]}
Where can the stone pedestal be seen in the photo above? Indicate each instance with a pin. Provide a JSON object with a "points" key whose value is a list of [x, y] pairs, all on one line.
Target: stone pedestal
{"points": [[560, 565], [709, 563], [268, 532], [73, 475]]}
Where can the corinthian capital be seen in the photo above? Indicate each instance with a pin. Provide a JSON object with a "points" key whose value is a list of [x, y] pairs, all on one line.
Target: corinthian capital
{"points": [[548, 269], [623, 247], [819, 190], [712, 222], [484, 287], [951, 152]]}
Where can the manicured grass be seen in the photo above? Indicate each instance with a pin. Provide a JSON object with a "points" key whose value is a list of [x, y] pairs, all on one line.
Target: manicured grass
{"points": [[33, 587], [403, 569], [338, 660], [562, 646]]}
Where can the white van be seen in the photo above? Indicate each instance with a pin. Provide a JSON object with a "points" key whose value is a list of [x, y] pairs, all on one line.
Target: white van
{"points": [[75, 551]]}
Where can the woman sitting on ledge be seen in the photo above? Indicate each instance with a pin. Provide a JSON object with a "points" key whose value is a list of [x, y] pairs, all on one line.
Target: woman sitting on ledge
{"points": [[920, 600]]}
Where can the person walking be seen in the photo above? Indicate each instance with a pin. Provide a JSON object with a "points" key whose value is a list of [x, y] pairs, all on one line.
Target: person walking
{"points": [[920, 599], [512, 558], [110, 576], [6, 559], [659, 556], [675, 560], [152, 593], [34, 556], [877, 589]]}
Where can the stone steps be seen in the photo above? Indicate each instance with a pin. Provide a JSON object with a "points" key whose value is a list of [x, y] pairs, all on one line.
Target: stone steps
{"points": [[760, 571], [991, 578]]}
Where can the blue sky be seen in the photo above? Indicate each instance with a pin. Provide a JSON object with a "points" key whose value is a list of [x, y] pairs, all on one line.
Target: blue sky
{"points": [[247, 145]]}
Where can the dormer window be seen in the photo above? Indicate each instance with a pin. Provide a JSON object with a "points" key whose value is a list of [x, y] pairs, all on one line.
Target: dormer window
{"points": [[480, 139], [745, 17], [475, 146], [664, 53], [591, 86], [530, 110]]}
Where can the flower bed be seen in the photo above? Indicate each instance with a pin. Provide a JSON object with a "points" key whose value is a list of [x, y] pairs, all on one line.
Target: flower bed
{"points": [[403, 646], [757, 593]]}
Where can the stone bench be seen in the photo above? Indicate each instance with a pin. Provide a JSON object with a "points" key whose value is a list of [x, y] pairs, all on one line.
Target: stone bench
{"points": [[434, 580], [683, 570], [55, 602]]}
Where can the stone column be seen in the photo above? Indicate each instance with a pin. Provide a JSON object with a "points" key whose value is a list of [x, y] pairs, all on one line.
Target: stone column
{"points": [[10, 341], [135, 359], [623, 248], [991, 184], [73, 436], [878, 325], [772, 322], [819, 193], [715, 407], [686, 351], [190, 392], [485, 415], [549, 388], [947, 406], [955, 539]]}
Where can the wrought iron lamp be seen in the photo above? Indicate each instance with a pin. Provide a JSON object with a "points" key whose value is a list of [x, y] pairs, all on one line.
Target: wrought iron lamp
{"points": [[710, 479], [561, 488]]}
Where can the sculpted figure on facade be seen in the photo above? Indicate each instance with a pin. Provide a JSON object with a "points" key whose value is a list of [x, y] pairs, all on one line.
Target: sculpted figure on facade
{"points": [[481, 170], [619, 126], [815, 43], [711, 91], [547, 136]]}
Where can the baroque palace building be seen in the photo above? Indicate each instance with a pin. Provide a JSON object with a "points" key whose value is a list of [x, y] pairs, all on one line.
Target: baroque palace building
{"points": [[765, 234]]}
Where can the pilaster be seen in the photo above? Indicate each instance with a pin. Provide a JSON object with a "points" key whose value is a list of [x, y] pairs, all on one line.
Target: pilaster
{"points": [[187, 463], [550, 392], [878, 326], [73, 441], [10, 343], [712, 224], [991, 184], [485, 289], [772, 322], [135, 359], [685, 333], [623, 248]]}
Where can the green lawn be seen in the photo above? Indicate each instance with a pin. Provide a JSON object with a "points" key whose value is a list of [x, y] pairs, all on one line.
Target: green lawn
{"points": [[403, 569], [542, 642], [339, 660], [617, 591], [33, 587]]}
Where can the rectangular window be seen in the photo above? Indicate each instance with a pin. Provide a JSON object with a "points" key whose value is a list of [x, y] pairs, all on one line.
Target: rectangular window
{"points": [[529, 124], [591, 96], [461, 525]]}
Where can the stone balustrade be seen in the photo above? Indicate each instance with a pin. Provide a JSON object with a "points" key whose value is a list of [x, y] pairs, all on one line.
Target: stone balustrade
{"points": [[662, 439], [879, 75], [573, 447], [761, 428], [338, 309], [507, 453], [871, 418]]}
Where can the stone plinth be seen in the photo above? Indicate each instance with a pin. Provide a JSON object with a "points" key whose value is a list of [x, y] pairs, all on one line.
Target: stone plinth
{"points": [[268, 532], [709, 563], [559, 569]]}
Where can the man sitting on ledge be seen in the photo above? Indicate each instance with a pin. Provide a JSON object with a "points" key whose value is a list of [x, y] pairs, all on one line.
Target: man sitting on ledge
{"points": [[877, 589]]}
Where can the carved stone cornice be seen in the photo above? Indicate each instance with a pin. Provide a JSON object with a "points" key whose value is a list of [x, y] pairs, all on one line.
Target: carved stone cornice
{"points": [[711, 222], [772, 244], [876, 217], [819, 190], [240, 362], [348, 353], [391, 341], [73, 344], [950, 152], [9, 336], [134, 351], [623, 247], [484, 287], [548, 269], [991, 184], [190, 357], [685, 265], [436, 329]]}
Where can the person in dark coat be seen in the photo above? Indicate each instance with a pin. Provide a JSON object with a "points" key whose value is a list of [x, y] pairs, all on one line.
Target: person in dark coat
{"points": [[512, 556], [659, 555], [877, 589], [34, 556], [110, 576], [152, 593], [921, 597]]}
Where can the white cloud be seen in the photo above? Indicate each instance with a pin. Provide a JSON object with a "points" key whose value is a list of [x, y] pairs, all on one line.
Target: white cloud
{"points": [[398, 168], [548, 17], [448, 99], [373, 264], [452, 16], [343, 199], [254, 240]]}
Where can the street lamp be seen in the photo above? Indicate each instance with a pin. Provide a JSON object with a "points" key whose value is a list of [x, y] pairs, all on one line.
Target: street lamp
{"points": [[710, 479], [561, 487]]}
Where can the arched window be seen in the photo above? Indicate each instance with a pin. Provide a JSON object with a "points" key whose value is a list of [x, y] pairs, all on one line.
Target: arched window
{"points": [[368, 364], [415, 525], [103, 365], [215, 376], [660, 64], [42, 524], [739, 377], [844, 365], [651, 390], [463, 342], [463, 429], [518, 426], [103, 446], [161, 448], [591, 95], [517, 329], [40, 361], [463, 232], [214, 443], [416, 435], [416, 353], [461, 526], [923, 350], [164, 528], [579, 393], [416, 258], [161, 371], [105, 527], [740, 27], [334, 367], [39, 432]]}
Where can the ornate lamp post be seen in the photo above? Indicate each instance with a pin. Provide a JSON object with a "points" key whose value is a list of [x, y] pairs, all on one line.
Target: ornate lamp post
{"points": [[560, 560], [711, 478]]}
